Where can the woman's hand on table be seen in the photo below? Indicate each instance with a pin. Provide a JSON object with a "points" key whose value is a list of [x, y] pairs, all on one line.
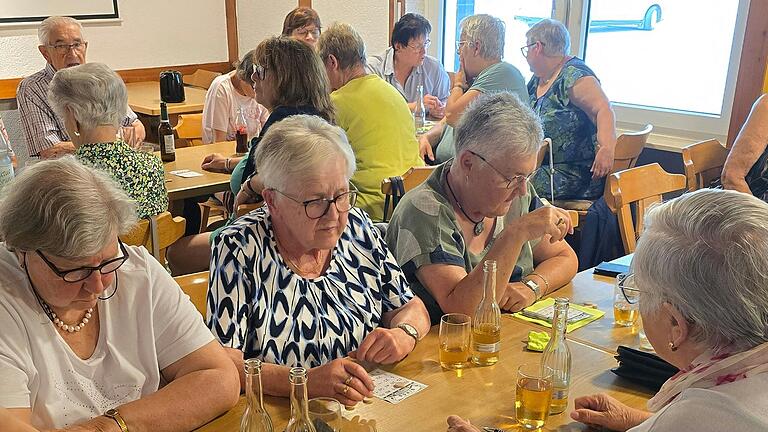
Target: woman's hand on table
{"points": [[384, 346], [515, 297], [458, 424], [216, 162], [341, 379], [603, 410]]}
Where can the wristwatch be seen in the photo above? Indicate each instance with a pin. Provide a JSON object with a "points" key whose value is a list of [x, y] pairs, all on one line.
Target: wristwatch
{"points": [[409, 330], [533, 286], [115, 415]]}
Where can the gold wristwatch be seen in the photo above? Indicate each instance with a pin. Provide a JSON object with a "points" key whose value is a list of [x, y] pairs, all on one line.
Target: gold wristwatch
{"points": [[115, 415]]}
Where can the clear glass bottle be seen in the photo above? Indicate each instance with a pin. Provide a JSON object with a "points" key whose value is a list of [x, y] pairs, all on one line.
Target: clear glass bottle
{"points": [[420, 112], [486, 327], [255, 418], [300, 421], [557, 357]]}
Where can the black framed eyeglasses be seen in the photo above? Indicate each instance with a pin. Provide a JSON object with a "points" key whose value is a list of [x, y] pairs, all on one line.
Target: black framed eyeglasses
{"points": [[513, 182], [317, 208], [82, 273], [525, 49], [259, 73], [628, 289], [304, 31]]}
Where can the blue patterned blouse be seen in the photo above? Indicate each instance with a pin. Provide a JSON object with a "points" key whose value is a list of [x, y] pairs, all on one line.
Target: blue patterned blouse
{"points": [[574, 137], [256, 303]]}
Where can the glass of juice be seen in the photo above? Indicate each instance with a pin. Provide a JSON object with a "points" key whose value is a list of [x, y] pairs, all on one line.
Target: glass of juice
{"points": [[625, 297], [533, 394], [455, 337]]}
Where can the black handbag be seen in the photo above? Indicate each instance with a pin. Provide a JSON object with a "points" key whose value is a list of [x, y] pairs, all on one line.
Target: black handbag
{"points": [[757, 177], [397, 190]]}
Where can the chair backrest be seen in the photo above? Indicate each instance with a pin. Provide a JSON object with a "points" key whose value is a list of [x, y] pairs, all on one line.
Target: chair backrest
{"points": [[201, 78], [189, 130], [703, 162], [156, 234], [629, 145], [641, 186], [195, 285], [244, 209], [412, 178]]}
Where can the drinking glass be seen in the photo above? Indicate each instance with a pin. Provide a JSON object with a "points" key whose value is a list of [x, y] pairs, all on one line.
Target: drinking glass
{"points": [[533, 394], [643, 341], [625, 311], [147, 148], [455, 334], [325, 414]]}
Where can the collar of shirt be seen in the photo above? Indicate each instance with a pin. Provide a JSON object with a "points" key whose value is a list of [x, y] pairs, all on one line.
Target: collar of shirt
{"points": [[49, 71], [388, 67]]}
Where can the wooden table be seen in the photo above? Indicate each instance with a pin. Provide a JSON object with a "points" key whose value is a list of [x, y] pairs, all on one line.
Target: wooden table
{"points": [[144, 98], [190, 158], [485, 395]]}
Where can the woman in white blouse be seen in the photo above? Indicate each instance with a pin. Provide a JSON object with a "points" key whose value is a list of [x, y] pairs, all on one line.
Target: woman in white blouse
{"points": [[307, 279], [92, 328]]}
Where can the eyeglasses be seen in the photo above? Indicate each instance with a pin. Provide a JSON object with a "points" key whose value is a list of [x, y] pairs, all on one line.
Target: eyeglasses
{"points": [[628, 289], [64, 48], [420, 47], [317, 208], [525, 49], [459, 44], [518, 180], [304, 31], [259, 73], [82, 273]]}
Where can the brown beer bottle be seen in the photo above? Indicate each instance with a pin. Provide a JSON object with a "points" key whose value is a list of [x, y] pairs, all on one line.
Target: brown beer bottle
{"points": [[165, 136]]}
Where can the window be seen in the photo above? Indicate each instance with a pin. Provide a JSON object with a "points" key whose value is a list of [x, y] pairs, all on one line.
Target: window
{"points": [[672, 63]]}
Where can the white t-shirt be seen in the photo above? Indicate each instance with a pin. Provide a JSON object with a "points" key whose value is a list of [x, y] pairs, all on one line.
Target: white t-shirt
{"points": [[148, 325], [220, 110], [740, 406]]}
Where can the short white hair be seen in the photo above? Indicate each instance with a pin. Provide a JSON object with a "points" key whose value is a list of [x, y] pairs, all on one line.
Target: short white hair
{"points": [[94, 92], [53, 22], [706, 253], [499, 125], [296, 147], [64, 208], [553, 35], [488, 30]]}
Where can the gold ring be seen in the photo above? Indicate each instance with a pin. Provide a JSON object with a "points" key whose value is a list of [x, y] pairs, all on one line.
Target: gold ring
{"points": [[348, 380], [559, 221], [346, 388]]}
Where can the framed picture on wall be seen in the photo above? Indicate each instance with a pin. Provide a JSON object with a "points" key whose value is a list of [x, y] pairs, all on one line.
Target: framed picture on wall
{"points": [[33, 11]]}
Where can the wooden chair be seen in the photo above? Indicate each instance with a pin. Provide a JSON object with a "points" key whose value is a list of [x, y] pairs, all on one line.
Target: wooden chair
{"points": [[412, 178], [156, 234], [195, 285], [189, 130], [639, 186], [629, 145], [703, 162], [200, 78]]}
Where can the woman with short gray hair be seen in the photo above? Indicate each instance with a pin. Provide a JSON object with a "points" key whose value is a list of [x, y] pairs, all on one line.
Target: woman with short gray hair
{"points": [[701, 270], [310, 250], [480, 49], [575, 114], [93, 328], [480, 206], [92, 100]]}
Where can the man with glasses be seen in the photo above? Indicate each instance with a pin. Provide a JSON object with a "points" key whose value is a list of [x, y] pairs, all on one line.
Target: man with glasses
{"points": [[407, 66], [62, 45]]}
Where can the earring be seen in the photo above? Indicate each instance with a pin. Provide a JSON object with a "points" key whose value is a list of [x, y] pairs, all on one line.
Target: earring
{"points": [[672, 346], [77, 134]]}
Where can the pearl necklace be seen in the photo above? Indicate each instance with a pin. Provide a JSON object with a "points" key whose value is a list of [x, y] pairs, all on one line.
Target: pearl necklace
{"points": [[62, 325]]}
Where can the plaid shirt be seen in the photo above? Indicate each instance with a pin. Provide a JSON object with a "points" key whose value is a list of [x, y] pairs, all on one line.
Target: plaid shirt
{"points": [[42, 127]]}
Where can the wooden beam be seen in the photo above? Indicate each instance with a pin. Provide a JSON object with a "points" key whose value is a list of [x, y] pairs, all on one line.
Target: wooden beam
{"points": [[8, 88], [752, 66], [233, 49], [305, 3]]}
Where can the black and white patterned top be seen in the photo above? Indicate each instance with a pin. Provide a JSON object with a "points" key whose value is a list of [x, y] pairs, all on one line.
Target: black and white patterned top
{"points": [[256, 303]]}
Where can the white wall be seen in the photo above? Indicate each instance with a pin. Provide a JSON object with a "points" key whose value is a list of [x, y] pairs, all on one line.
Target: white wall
{"points": [[151, 33], [260, 19], [369, 17]]}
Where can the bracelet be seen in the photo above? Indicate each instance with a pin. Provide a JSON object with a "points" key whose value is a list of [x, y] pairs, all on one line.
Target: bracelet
{"points": [[460, 87], [226, 164], [546, 284]]}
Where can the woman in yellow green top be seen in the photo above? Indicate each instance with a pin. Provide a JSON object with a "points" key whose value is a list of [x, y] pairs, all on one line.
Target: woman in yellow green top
{"points": [[374, 115]]}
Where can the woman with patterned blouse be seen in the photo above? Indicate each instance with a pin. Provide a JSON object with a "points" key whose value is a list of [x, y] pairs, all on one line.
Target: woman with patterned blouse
{"points": [[575, 114], [92, 100], [308, 280]]}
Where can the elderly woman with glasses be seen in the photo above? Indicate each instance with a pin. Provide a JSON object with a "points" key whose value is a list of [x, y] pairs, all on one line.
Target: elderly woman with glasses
{"points": [[443, 229], [575, 114], [406, 66], [96, 335], [307, 279]]}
